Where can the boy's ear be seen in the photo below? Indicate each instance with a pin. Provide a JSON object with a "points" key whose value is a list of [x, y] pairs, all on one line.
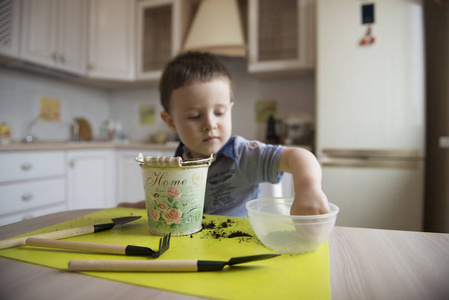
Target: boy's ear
{"points": [[167, 118]]}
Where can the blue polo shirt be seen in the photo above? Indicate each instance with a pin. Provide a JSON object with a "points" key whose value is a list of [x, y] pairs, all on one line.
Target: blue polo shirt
{"points": [[235, 175]]}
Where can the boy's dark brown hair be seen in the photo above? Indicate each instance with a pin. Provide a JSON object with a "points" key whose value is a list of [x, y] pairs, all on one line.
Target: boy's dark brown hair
{"points": [[188, 68]]}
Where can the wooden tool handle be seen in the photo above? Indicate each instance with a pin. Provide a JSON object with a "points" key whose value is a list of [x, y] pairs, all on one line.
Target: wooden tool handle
{"points": [[92, 247], [134, 265], [60, 234]]}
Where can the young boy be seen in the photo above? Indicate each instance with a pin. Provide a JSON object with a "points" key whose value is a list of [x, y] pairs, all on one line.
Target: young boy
{"points": [[196, 95]]}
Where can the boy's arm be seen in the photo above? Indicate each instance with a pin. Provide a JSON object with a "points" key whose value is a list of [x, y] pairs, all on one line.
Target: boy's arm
{"points": [[302, 164]]}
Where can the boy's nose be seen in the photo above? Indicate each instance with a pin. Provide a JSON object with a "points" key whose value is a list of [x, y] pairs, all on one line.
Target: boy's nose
{"points": [[209, 123]]}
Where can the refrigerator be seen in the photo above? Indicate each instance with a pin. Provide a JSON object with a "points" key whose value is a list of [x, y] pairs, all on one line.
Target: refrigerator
{"points": [[370, 111]]}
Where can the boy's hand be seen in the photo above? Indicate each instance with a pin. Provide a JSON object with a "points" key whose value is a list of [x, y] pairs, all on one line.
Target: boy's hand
{"points": [[309, 201]]}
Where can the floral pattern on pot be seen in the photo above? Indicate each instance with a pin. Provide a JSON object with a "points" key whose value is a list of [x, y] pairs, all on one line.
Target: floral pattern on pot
{"points": [[174, 199]]}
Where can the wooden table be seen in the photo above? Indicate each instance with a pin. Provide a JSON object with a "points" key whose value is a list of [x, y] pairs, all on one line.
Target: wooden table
{"points": [[364, 264]]}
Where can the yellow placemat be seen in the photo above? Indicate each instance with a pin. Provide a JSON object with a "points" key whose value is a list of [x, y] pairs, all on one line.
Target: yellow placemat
{"points": [[304, 276]]}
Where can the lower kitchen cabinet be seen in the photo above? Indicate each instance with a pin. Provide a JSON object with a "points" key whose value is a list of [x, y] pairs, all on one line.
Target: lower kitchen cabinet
{"points": [[130, 186], [36, 183], [91, 179], [32, 183]]}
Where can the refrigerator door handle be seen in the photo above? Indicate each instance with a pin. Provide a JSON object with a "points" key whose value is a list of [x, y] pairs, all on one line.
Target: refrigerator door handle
{"points": [[361, 163], [409, 154]]}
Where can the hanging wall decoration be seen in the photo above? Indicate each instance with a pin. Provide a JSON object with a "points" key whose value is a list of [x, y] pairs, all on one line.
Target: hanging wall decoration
{"points": [[368, 19]]}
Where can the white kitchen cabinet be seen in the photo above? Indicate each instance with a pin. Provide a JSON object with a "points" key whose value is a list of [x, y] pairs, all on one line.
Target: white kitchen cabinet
{"points": [[54, 34], [284, 188], [281, 37], [130, 186], [112, 39], [161, 29], [91, 178], [10, 24], [30, 214], [32, 183]]}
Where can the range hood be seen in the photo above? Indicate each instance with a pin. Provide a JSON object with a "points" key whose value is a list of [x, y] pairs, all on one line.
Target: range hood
{"points": [[217, 28]]}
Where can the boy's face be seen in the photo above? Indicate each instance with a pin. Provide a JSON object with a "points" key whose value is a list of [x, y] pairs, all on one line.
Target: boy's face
{"points": [[200, 114]]}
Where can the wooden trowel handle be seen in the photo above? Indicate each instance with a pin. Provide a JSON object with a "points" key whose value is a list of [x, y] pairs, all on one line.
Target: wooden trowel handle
{"points": [[134, 265], [92, 247], [60, 234]]}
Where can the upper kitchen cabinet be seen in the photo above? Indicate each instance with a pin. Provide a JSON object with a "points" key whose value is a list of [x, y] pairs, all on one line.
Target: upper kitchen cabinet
{"points": [[161, 28], [111, 40], [281, 37], [10, 27], [54, 34]]}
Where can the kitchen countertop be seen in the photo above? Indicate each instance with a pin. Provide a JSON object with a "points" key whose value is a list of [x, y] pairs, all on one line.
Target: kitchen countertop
{"points": [[364, 264], [64, 145]]}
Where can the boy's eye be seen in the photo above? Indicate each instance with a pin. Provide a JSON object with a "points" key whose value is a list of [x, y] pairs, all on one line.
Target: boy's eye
{"points": [[193, 117], [220, 112]]}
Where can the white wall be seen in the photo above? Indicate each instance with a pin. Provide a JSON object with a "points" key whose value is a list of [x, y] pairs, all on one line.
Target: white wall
{"points": [[293, 94], [20, 95]]}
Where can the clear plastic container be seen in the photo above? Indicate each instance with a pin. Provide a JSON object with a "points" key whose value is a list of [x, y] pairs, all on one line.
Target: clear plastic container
{"points": [[279, 231]]}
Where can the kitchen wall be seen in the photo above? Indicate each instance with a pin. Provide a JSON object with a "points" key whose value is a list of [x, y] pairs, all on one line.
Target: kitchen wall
{"points": [[293, 94], [20, 94]]}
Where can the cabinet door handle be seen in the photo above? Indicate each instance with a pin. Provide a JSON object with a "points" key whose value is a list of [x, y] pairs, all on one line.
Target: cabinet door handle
{"points": [[72, 163], [26, 166], [27, 197], [62, 58], [54, 56]]}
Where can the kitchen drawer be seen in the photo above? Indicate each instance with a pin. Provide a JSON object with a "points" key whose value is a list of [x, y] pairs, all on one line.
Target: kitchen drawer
{"points": [[31, 165], [16, 197], [25, 215]]}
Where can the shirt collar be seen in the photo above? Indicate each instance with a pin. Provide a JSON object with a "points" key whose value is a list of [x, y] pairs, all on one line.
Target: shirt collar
{"points": [[227, 150]]}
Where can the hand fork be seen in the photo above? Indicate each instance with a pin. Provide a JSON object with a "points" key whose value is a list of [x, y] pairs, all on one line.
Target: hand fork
{"points": [[164, 244]]}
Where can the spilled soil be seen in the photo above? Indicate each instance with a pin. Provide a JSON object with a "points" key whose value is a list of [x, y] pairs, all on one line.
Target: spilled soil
{"points": [[224, 230]]}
